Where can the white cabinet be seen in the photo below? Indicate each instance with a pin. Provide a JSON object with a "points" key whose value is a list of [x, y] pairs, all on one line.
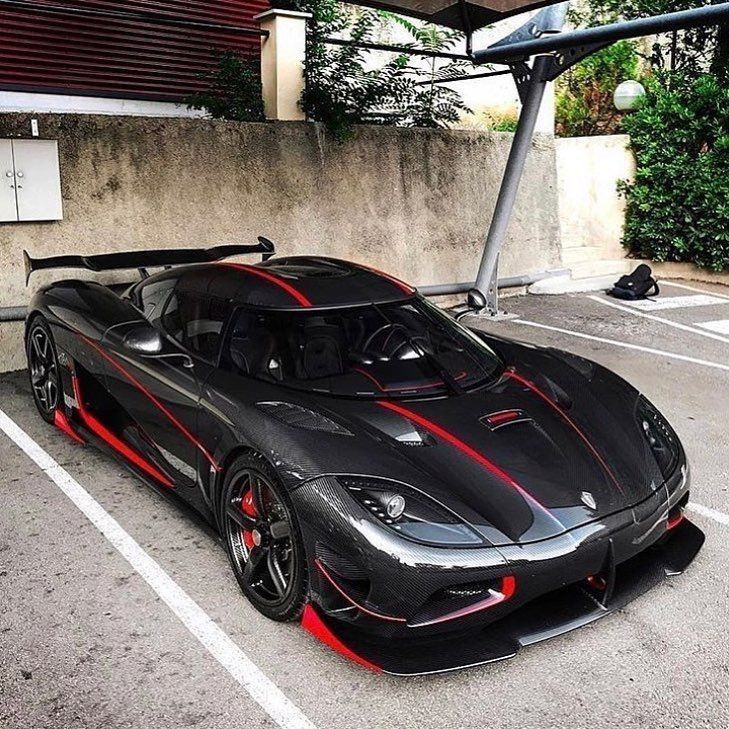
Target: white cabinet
{"points": [[31, 180]]}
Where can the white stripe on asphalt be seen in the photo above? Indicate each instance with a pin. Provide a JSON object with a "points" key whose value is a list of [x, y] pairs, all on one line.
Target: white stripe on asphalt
{"points": [[676, 302], [662, 320], [692, 288], [194, 618], [625, 345], [721, 326], [718, 516]]}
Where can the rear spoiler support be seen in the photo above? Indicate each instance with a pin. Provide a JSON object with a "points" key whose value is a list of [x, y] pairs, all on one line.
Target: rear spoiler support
{"points": [[142, 260]]}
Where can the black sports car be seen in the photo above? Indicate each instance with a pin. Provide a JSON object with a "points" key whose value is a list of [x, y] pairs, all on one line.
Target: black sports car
{"points": [[423, 497]]}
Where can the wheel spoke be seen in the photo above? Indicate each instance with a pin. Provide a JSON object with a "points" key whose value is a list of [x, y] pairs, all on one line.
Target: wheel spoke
{"points": [[277, 576], [255, 559], [257, 494], [242, 519]]}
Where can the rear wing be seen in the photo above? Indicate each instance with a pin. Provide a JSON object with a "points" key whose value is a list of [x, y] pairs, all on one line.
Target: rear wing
{"points": [[146, 259]]}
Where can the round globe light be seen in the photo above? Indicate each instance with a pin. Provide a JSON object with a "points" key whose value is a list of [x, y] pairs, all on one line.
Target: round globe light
{"points": [[627, 95], [395, 506]]}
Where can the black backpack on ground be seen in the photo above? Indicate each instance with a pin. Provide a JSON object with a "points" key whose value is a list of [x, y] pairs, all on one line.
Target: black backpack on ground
{"points": [[637, 285]]}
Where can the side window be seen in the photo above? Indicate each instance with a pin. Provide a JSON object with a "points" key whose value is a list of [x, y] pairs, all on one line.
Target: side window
{"points": [[152, 298], [196, 321]]}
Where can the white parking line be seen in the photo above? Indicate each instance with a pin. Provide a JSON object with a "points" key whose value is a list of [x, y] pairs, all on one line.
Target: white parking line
{"points": [[692, 288], [268, 696], [721, 326], [718, 516], [625, 345], [676, 302], [662, 320]]}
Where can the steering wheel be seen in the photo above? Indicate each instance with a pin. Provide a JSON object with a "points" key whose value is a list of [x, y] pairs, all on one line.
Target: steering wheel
{"points": [[406, 340]]}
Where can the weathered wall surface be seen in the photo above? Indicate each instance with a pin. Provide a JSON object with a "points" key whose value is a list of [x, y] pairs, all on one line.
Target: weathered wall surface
{"points": [[591, 211], [414, 202]]}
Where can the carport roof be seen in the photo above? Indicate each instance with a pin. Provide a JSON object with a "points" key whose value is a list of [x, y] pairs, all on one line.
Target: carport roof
{"points": [[463, 15]]}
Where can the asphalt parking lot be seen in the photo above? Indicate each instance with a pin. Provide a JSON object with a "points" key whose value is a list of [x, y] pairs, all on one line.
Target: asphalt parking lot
{"points": [[86, 642]]}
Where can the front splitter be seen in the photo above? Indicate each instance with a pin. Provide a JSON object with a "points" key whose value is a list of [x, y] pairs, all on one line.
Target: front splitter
{"points": [[545, 617]]}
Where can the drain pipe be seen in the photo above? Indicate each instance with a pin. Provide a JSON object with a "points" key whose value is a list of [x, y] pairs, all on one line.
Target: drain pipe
{"points": [[508, 282], [12, 313]]}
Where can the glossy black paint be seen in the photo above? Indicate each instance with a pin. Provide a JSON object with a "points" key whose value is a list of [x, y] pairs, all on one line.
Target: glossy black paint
{"points": [[577, 433]]}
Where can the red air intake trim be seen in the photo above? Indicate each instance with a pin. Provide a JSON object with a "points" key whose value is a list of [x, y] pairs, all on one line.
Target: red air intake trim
{"points": [[350, 600], [531, 386], [675, 519], [95, 426], [62, 423], [508, 588], [277, 281], [466, 449], [312, 623]]}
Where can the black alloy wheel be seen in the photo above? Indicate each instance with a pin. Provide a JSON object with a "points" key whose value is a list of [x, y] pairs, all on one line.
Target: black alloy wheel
{"points": [[263, 539], [45, 376]]}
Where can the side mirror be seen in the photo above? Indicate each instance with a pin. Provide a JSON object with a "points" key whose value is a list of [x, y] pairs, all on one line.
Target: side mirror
{"points": [[144, 340]]}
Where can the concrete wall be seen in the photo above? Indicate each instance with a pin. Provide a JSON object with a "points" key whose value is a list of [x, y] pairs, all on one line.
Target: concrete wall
{"points": [[591, 211], [414, 202]]}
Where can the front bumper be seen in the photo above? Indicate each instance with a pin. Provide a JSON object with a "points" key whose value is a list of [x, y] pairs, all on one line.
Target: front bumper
{"points": [[389, 585]]}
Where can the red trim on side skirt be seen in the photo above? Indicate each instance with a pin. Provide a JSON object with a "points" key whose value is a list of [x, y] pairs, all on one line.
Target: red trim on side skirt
{"points": [[276, 280], [312, 623], [188, 435], [531, 386], [62, 423], [675, 520], [365, 610], [464, 448], [97, 427]]}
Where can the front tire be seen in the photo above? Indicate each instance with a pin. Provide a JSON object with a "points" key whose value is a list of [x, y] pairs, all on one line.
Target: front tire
{"points": [[43, 368], [263, 539]]}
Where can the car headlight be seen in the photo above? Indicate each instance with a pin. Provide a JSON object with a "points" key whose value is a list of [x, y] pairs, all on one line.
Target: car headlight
{"points": [[660, 436], [410, 512]]}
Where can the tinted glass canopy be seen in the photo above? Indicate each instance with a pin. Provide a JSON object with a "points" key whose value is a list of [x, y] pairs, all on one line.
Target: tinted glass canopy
{"points": [[463, 15]]}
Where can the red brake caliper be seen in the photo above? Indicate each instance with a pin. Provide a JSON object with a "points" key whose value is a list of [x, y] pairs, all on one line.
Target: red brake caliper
{"points": [[247, 507]]}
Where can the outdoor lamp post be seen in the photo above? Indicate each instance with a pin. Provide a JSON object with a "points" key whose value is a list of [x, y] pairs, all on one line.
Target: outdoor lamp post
{"points": [[627, 95]]}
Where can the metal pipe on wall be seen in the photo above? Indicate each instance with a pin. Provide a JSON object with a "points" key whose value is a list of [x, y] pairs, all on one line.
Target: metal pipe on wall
{"points": [[508, 282]]}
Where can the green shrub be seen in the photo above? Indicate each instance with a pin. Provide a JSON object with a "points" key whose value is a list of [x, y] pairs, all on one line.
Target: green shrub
{"points": [[678, 206], [233, 90]]}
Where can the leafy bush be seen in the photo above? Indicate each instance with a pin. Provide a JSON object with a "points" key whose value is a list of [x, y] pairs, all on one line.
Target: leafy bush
{"points": [[678, 206], [234, 90], [343, 88], [584, 94]]}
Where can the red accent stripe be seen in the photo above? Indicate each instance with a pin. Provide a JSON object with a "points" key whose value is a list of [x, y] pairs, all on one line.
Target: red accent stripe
{"points": [[531, 386], [271, 278], [154, 400], [62, 423], [400, 284], [331, 581], [464, 448], [119, 446], [312, 623], [508, 587]]}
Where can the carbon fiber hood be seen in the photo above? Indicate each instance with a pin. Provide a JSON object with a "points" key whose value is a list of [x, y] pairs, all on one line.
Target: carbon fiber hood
{"points": [[574, 454]]}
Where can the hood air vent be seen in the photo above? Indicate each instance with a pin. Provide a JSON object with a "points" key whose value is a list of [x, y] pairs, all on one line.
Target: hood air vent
{"points": [[297, 416]]}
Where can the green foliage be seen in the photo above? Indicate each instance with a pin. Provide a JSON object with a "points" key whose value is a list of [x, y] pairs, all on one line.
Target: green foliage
{"points": [[584, 94], [678, 206], [234, 90], [343, 88]]}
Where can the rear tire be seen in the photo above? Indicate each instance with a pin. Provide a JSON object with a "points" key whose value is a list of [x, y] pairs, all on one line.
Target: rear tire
{"points": [[43, 368], [263, 539]]}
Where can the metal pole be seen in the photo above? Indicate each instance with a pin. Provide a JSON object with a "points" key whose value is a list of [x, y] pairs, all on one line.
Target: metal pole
{"points": [[486, 278]]}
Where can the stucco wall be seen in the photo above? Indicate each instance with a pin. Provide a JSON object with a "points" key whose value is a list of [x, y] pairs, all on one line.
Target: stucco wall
{"points": [[591, 211], [414, 202]]}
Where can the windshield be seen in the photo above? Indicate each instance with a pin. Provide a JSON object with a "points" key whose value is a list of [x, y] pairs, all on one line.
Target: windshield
{"points": [[377, 350]]}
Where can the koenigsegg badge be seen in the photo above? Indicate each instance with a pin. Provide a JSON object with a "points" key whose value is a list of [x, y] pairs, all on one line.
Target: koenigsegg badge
{"points": [[588, 500]]}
